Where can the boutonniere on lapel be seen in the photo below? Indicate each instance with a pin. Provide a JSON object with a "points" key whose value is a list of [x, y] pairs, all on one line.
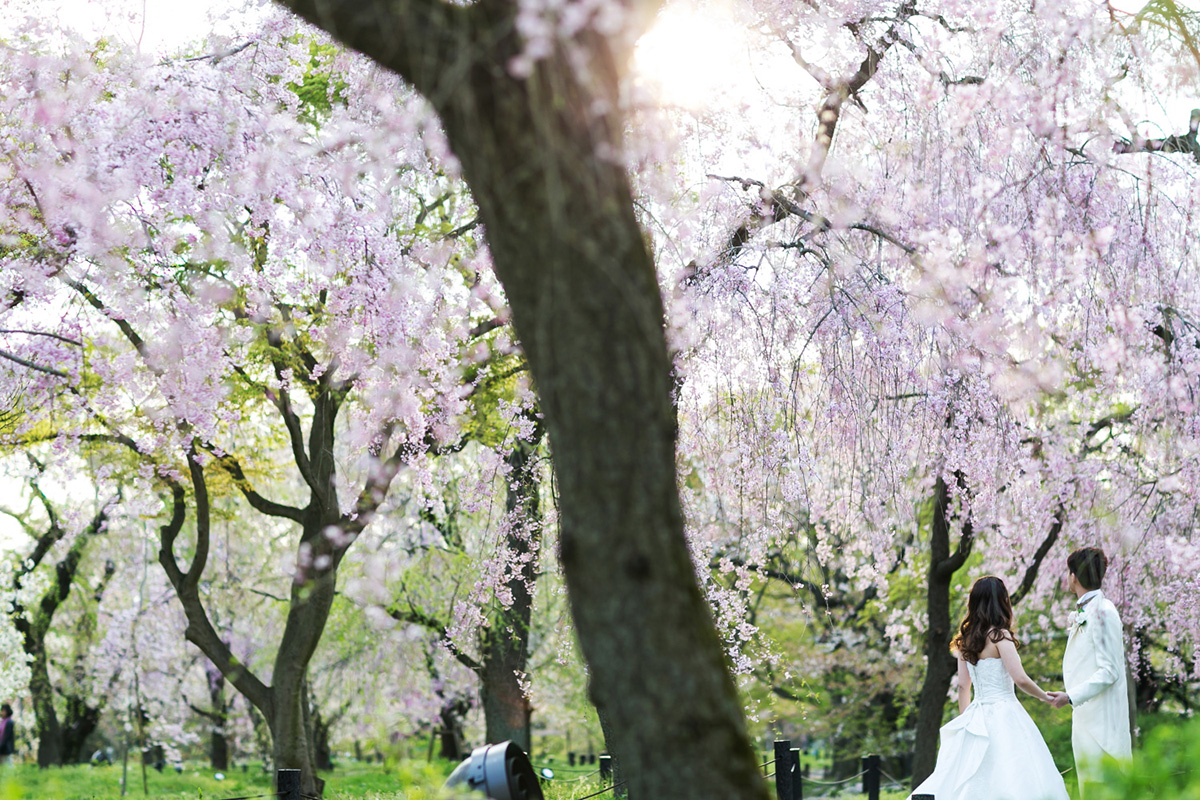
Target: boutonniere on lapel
{"points": [[1077, 622]]}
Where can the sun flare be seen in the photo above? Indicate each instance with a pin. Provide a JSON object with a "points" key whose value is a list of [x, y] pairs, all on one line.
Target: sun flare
{"points": [[693, 53]]}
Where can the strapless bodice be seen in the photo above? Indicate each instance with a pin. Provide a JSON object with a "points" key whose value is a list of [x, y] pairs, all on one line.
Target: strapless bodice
{"points": [[991, 681]]}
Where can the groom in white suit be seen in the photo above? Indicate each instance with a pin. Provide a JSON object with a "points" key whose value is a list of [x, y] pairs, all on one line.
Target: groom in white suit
{"points": [[1094, 669]]}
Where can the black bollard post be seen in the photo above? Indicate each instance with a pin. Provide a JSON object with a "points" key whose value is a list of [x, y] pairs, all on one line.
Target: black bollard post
{"points": [[783, 769], [605, 767], [797, 783], [871, 775], [287, 784], [570, 758]]}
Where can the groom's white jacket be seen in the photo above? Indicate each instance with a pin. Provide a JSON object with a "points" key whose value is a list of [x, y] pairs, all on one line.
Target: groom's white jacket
{"points": [[1094, 674]]}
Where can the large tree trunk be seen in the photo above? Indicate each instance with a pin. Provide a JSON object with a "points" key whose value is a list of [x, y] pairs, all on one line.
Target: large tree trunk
{"points": [[34, 624], [287, 714], [218, 717], [542, 157], [450, 730], [80, 720], [940, 664], [41, 692], [585, 302], [506, 708]]}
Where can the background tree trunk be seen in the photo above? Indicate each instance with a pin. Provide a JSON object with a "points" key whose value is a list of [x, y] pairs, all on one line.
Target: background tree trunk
{"points": [[34, 624], [940, 664], [506, 709], [41, 692], [80, 720]]}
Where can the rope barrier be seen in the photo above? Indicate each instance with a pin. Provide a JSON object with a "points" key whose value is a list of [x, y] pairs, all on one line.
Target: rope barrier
{"points": [[889, 777], [835, 783], [575, 779]]}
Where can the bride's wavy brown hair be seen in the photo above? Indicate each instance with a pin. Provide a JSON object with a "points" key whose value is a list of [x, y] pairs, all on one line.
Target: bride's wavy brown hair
{"points": [[989, 617]]}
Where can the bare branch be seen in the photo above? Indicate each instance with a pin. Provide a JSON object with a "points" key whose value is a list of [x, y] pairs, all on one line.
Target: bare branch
{"points": [[1176, 143], [1031, 572], [415, 616], [259, 503], [217, 57], [59, 337], [32, 365]]}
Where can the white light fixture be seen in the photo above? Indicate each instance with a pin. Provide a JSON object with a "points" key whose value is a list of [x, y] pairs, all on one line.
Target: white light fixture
{"points": [[501, 771]]}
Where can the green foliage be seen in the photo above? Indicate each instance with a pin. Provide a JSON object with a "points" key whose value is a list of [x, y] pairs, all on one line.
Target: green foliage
{"points": [[1180, 23], [1166, 765], [320, 88], [487, 425], [408, 779]]}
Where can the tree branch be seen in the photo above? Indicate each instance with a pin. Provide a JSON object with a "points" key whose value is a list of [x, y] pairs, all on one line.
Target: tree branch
{"points": [[200, 631], [422, 40], [130, 334], [1031, 572], [415, 616], [48, 334], [290, 420], [259, 503], [58, 373], [1177, 143]]}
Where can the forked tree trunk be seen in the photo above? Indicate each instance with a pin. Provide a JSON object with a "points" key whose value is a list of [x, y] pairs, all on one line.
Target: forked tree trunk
{"points": [[80, 720], [35, 623], [940, 664]]}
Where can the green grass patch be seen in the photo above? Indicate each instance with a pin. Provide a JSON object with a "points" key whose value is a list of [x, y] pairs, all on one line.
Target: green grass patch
{"points": [[411, 780]]}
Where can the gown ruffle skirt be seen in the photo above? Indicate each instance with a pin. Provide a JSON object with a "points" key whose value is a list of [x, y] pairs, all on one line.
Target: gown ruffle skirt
{"points": [[993, 750]]}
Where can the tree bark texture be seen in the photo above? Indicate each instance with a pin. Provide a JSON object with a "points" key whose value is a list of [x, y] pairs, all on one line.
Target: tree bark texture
{"points": [[33, 624], [940, 664], [506, 709], [541, 155]]}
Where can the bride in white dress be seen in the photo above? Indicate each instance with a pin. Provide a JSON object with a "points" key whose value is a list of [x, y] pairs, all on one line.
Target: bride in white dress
{"points": [[992, 750]]}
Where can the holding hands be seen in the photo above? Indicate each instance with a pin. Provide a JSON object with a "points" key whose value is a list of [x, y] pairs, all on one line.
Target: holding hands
{"points": [[1058, 699]]}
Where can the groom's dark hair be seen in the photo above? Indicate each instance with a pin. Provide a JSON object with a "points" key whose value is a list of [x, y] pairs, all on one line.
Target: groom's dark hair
{"points": [[1088, 565]]}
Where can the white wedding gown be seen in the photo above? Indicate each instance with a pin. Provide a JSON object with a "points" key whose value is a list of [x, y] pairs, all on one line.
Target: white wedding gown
{"points": [[993, 750]]}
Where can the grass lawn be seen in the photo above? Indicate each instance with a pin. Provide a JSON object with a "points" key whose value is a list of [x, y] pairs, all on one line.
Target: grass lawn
{"points": [[407, 779]]}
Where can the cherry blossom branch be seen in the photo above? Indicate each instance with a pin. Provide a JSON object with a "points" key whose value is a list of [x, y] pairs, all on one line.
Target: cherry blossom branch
{"points": [[1176, 143], [47, 540], [946, 565], [776, 206], [291, 421], [415, 616], [219, 56], [259, 503], [130, 334], [1031, 572], [59, 337], [840, 91], [200, 631], [33, 365], [790, 578]]}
